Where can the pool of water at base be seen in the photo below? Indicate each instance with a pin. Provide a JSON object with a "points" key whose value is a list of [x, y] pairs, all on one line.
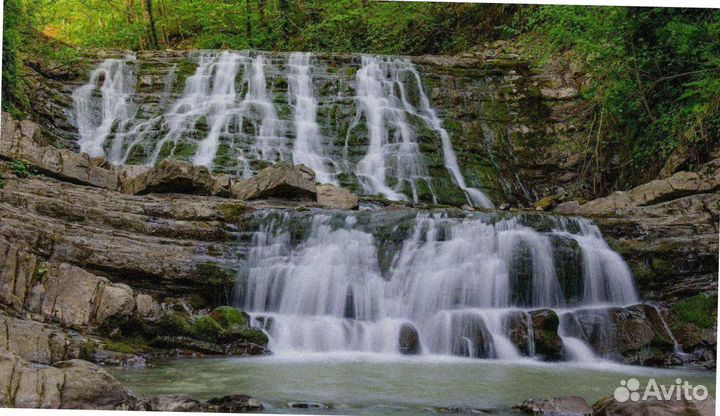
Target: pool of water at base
{"points": [[368, 384]]}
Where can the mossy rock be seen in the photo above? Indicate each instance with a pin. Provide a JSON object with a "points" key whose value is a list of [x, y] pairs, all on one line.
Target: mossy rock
{"points": [[253, 335], [206, 328], [174, 323], [229, 317]]}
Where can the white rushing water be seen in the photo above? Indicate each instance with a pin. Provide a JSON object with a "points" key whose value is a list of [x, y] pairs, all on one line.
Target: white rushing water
{"points": [[309, 148], [97, 113], [454, 281], [392, 148]]}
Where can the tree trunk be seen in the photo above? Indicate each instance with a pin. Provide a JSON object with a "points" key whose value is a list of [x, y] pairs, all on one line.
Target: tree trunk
{"points": [[248, 23], [285, 10], [150, 20], [131, 12]]}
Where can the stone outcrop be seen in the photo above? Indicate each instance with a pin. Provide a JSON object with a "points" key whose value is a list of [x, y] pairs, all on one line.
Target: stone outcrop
{"points": [[41, 343], [20, 143], [680, 184], [282, 180], [78, 384], [63, 293], [73, 384], [170, 176], [157, 243]]}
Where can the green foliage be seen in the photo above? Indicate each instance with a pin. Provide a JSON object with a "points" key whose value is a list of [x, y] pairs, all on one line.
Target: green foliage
{"points": [[20, 168], [13, 98], [655, 77], [700, 310], [206, 328], [317, 25], [2, 183]]}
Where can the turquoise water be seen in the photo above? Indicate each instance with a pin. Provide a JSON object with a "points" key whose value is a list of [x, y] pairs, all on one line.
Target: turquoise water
{"points": [[368, 384]]}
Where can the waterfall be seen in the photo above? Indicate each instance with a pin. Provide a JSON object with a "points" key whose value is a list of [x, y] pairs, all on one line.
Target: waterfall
{"points": [[475, 197], [605, 274], [239, 110], [392, 148], [211, 102], [96, 117], [341, 285], [308, 148]]}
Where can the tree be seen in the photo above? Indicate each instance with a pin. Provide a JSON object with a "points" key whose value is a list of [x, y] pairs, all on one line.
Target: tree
{"points": [[150, 21]]}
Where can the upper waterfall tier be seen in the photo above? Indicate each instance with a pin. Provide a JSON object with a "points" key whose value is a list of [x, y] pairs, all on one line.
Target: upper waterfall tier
{"points": [[368, 281], [366, 123]]}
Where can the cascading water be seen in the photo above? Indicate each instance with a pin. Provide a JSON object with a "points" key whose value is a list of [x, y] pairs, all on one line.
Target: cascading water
{"points": [[95, 116], [238, 108], [458, 283], [309, 147], [392, 144], [475, 197]]}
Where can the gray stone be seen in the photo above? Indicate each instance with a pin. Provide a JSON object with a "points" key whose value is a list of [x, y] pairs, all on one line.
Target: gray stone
{"points": [[333, 197], [171, 176], [282, 180]]}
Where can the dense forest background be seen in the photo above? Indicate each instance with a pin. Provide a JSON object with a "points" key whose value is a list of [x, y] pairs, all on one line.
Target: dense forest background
{"points": [[655, 73]]}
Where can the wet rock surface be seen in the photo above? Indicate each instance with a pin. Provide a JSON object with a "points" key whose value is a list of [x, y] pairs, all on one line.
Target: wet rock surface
{"points": [[560, 406], [652, 406]]}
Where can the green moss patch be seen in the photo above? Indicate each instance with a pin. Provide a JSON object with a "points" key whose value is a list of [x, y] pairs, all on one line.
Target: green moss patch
{"points": [[229, 317], [206, 328], [700, 310]]}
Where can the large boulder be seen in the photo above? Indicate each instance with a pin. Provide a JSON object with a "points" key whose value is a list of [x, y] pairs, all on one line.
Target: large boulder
{"points": [[409, 340], [654, 407], [281, 180], [73, 384], [469, 336], [115, 300], [41, 343], [545, 323], [171, 176], [333, 197], [69, 295]]}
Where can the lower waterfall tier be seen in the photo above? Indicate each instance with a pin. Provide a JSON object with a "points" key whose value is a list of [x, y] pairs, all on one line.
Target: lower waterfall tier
{"points": [[477, 285]]}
